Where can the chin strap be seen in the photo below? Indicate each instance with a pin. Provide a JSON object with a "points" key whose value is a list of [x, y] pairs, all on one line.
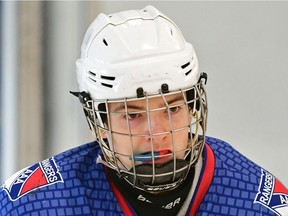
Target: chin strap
{"points": [[155, 179]]}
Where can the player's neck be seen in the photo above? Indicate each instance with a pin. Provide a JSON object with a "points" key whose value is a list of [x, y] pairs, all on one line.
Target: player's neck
{"points": [[167, 203]]}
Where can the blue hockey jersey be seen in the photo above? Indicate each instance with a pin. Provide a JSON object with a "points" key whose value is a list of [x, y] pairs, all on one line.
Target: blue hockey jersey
{"points": [[72, 183]]}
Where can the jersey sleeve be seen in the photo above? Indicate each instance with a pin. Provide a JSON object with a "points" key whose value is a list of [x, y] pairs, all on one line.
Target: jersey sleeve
{"points": [[241, 187]]}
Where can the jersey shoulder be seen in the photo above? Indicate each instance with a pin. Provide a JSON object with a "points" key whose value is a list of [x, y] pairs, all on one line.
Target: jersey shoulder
{"points": [[241, 186], [65, 183], [228, 157]]}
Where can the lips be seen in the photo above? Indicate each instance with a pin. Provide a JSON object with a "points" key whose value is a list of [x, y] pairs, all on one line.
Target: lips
{"points": [[159, 156]]}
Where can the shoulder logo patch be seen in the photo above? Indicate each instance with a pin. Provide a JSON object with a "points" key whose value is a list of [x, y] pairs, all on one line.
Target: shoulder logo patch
{"points": [[39, 175], [272, 194]]}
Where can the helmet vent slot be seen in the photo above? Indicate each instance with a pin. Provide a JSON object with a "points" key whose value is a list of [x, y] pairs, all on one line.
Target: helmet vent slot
{"points": [[108, 77], [188, 72], [105, 42], [92, 79], [92, 76], [107, 85], [92, 73], [185, 65]]}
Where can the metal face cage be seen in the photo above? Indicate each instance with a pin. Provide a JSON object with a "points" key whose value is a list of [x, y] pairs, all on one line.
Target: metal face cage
{"points": [[151, 141]]}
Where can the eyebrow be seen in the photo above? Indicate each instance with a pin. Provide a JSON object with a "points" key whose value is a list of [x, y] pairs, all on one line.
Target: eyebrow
{"points": [[178, 98], [137, 107]]}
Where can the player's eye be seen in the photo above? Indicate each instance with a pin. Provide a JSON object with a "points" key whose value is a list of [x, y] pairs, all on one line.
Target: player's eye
{"points": [[174, 109], [131, 116]]}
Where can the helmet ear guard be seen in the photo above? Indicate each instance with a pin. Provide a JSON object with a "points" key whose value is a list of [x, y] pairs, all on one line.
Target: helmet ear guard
{"points": [[83, 96], [87, 103], [84, 99]]}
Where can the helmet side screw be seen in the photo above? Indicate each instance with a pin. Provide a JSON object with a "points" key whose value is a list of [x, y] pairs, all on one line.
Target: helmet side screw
{"points": [[164, 88], [140, 92]]}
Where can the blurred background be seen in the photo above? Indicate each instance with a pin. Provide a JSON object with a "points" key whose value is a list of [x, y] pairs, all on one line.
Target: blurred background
{"points": [[243, 46]]}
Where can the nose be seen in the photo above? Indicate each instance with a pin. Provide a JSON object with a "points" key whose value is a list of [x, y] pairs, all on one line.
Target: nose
{"points": [[158, 128]]}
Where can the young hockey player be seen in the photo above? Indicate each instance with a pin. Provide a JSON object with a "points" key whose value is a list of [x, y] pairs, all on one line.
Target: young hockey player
{"points": [[144, 99]]}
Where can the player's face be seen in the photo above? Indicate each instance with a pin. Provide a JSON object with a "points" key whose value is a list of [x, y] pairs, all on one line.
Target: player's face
{"points": [[144, 127]]}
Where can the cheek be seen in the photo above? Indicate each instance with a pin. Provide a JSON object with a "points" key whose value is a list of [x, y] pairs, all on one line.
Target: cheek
{"points": [[124, 144], [123, 150], [181, 139], [120, 125], [181, 121]]}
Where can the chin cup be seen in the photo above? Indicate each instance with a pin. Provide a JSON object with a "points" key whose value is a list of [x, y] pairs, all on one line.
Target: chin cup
{"points": [[164, 177]]}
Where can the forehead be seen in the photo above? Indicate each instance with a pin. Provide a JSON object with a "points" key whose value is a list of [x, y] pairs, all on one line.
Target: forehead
{"points": [[151, 102]]}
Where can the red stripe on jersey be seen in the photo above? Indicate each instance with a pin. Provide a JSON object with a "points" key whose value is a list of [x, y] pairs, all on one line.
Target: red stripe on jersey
{"points": [[205, 181], [120, 199]]}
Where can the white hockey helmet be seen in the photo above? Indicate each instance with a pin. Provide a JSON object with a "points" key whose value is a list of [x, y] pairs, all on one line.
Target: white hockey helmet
{"points": [[134, 54], [138, 48]]}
